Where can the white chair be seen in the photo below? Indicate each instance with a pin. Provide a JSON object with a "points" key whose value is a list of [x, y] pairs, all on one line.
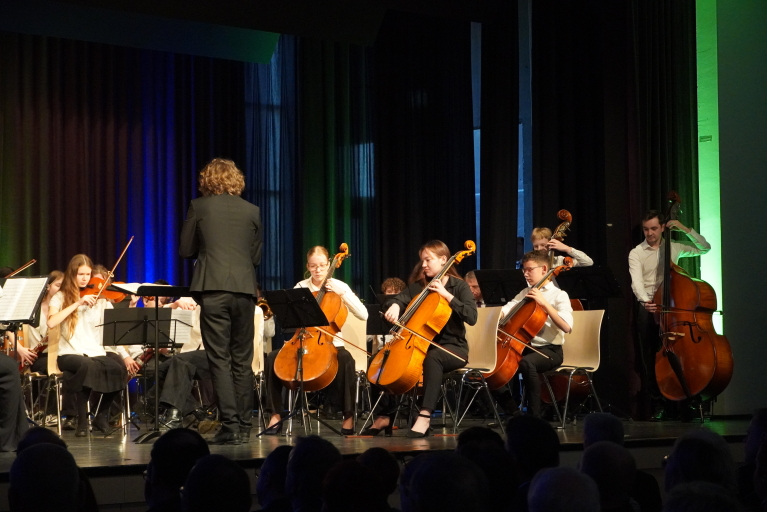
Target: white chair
{"points": [[580, 355], [481, 338], [354, 331]]}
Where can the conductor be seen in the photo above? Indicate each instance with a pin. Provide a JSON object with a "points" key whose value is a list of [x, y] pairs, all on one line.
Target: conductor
{"points": [[223, 232]]}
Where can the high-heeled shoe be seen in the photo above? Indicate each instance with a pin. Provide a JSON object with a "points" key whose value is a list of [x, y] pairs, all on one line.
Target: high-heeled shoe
{"points": [[413, 434], [100, 423], [387, 430], [274, 430], [347, 431]]}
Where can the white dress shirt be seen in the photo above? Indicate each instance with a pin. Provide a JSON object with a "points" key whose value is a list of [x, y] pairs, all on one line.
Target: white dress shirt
{"points": [[580, 259], [87, 340], [351, 301], [643, 263], [550, 334]]}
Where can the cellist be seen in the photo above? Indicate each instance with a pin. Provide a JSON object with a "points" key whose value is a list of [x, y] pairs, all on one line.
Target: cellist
{"points": [[646, 277], [548, 342], [453, 288], [341, 390]]}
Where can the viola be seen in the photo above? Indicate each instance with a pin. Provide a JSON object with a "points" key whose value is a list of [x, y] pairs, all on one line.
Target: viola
{"points": [[399, 365], [320, 356], [693, 361], [516, 329], [24, 367], [141, 360]]}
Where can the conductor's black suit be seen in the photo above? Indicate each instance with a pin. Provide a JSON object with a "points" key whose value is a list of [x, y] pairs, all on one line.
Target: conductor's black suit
{"points": [[223, 232]]}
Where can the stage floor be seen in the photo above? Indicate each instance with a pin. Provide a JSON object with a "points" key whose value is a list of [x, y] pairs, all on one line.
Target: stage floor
{"points": [[118, 455]]}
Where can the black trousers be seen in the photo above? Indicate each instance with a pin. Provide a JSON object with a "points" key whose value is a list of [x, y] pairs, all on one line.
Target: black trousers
{"points": [[226, 324], [13, 416], [649, 344], [530, 366], [340, 392], [176, 377]]}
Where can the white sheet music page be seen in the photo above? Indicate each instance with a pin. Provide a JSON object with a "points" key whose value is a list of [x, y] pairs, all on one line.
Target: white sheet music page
{"points": [[181, 330], [20, 297]]}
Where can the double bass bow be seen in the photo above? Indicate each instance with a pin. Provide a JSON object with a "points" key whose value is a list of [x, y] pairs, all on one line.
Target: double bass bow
{"points": [[516, 329], [320, 357], [399, 365], [693, 361]]}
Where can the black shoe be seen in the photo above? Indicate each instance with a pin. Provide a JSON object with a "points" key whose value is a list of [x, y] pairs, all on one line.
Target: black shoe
{"points": [[245, 435], [660, 415], [413, 434], [101, 424], [274, 430], [347, 431], [172, 418], [69, 424], [81, 432], [387, 430], [226, 437]]}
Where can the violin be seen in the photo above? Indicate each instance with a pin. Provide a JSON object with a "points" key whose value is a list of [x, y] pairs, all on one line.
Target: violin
{"points": [[693, 359], [516, 329], [320, 357], [141, 360], [98, 287], [399, 365]]}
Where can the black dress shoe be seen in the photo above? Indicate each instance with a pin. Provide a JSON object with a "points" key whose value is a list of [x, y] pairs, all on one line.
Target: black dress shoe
{"points": [[172, 418], [347, 431], [226, 437], [81, 432], [69, 424], [372, 431], [100, 423], [245, 435], [274, 430]]}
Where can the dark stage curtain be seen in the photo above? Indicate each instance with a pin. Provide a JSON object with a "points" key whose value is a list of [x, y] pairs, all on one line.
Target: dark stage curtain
{"points": [[337, 185], [424, 141], [499, 153], [99, 143]]}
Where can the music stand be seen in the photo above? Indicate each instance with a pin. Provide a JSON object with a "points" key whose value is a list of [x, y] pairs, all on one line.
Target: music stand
{"points": [[156, 291], [500, 286], [594, 282], [19, 304], [297, 308]]}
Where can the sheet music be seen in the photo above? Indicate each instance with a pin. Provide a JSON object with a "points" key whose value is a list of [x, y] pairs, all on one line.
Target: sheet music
{"points": [[132, 288], [181, 332], [20, 298]]}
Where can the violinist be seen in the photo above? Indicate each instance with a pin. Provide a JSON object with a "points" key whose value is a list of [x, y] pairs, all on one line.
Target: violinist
{"points": [[548, 342], [456, 292], [341, 391], [36, 335], [13, 417], [646, 269], [542, 241], [81, 356]]}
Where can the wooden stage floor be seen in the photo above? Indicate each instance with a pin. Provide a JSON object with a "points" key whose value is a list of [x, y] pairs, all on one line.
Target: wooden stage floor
{"points": [[118, 455]]}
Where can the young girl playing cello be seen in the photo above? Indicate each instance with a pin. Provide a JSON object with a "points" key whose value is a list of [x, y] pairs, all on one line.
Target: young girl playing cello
{"points": [[81, 356]]}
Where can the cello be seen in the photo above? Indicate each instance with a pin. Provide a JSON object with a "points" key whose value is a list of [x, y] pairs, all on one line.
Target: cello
{"points": [[516, 329], [399, 365], [693, 361], [320, 357]]}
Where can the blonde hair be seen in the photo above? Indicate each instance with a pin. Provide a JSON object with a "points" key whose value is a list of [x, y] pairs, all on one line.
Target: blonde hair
{"points": [[317, 249], [540, 233], [219, 177], [70, 290], [541, 257]]}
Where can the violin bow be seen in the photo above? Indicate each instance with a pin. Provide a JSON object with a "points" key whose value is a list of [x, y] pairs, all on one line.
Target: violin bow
{"points": [[112, 272], [22, 268]]}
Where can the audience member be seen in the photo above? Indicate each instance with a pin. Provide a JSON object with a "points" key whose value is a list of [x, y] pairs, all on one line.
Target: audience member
{"points": [[405, 483], [270, 486], [562, 490], [172, 458], [351, 487], [216, 483], [760, 478], [309, 463], [45, 477], [446, 481], [613, 469], [499, 468], [534, 444], [701, 497], [483, 435], [700, 455], [755, 435], [37, 435], [607, 427], [384, 466]]}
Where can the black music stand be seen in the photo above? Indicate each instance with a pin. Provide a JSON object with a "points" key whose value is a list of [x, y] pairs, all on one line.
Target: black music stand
{"points": [[498, 287], [594, 282], [297, 308], [19, 305], [156, 291]]}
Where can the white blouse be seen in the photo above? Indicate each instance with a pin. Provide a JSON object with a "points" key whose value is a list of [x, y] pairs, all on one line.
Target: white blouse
{"points": [[87, 340]]}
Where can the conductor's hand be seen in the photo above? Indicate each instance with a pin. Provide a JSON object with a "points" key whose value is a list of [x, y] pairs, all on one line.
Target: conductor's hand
{"points": [[131, 365], [557, 245], [392, 314], [88, 300]]}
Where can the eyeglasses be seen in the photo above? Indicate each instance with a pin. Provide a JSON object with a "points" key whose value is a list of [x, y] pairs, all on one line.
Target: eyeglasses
{"points": [[318, 267], [528, 270]]}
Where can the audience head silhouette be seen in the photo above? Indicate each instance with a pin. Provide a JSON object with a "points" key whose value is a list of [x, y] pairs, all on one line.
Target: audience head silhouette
{"points": [[602, 426], [613, 469], [499, 468], [309, 463], [755, 435], [534, 444], [216, 483], [351, 487], [562, 490], [447, 481], [173, 456], [37, 435], [701, 497], [383, 465], [270, 486], [482, 435], [45, 477], [700, 455]]}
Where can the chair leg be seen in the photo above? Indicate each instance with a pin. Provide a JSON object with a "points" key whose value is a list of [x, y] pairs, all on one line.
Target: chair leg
{"points": [[372, 413], [567, 396], [594, 391], [554, 402], [57, 387]]}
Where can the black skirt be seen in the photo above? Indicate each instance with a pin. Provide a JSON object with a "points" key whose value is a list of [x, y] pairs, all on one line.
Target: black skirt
{"points": [[100, 373]]}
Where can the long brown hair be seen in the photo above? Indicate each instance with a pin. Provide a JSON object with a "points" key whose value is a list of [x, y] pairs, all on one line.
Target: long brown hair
{"points": [[439, 248], [70, 290]]}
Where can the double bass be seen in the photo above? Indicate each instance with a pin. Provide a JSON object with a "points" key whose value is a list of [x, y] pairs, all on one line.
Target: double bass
{"points": [[320, 357], [693, 361], [399, 365], [516, 329], [559, 234]]}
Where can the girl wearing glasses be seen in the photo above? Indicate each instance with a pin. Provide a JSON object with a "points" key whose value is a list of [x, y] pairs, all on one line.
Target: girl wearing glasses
{"points": [[340, 392]]}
